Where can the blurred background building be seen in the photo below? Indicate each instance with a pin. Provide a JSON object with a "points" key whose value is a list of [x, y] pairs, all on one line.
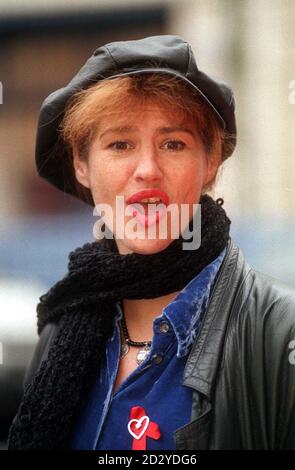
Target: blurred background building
{"points": [[248, 43]]}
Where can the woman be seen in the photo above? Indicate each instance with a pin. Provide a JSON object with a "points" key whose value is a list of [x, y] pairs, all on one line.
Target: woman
{"points": [[147, 343]]}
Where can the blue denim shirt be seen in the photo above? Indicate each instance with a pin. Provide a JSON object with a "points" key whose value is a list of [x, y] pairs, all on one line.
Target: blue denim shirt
{"points": [[156, 384]]}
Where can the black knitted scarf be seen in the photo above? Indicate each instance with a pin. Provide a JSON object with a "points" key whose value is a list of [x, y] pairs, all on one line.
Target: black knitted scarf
{"points": [[83, 305]]}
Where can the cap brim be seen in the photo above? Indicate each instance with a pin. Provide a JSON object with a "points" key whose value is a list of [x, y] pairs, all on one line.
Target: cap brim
{"points": [[176, 74]]}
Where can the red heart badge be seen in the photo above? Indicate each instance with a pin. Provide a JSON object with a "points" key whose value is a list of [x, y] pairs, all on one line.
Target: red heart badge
{"points": [[140, 427]]}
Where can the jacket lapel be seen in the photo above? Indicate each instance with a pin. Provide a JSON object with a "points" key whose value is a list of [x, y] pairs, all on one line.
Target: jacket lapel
{"points": [[205, 357]]}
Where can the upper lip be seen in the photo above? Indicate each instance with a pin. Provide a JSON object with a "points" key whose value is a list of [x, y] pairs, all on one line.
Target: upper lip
{"points": [[145, 193]]}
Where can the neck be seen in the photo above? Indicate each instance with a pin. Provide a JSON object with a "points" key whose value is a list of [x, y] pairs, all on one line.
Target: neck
{"points": [[140, 314]]}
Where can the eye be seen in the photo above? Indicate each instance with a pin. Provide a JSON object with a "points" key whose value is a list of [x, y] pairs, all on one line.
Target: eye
{"points": [[175, 145], [119, 145]]}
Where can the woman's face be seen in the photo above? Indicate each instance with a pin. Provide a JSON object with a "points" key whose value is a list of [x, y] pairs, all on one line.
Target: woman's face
{"points": [[155, 151]]}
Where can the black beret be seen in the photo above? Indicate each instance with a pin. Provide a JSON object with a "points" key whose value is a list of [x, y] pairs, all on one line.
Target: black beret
{"points": [[163, 54]]}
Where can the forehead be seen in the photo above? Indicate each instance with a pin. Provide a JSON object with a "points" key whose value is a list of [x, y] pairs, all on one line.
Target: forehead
{"points": [[167, 114]]}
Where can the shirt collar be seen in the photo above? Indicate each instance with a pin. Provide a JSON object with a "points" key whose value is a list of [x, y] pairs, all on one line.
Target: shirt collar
{"points": [[185, 312]]}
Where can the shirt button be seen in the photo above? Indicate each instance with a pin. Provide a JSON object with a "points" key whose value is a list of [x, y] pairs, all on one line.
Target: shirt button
{"points": [[164, 327], [157, 358]]}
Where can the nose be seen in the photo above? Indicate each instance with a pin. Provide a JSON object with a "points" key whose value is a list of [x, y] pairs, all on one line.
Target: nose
{"points": [[147, 165]]}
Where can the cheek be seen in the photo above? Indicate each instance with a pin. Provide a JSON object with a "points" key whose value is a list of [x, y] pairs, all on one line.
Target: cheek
{"points": [[190, 177], [106, 179]]}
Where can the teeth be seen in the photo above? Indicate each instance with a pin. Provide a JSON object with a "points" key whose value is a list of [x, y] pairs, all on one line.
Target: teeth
{"points": [[150, 199]]}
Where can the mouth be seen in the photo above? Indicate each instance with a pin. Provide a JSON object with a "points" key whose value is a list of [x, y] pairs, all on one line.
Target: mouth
{"points": [[147, 214], [148, 206]]}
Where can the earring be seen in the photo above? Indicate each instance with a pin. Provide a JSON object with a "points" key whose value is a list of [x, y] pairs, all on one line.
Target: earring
{"points": [[219, 201]]}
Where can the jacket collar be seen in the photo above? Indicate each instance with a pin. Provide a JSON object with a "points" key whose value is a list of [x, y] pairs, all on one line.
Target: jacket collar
{"points": [[205, 356]]}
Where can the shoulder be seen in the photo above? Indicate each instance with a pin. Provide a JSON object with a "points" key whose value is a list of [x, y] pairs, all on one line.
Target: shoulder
{"points": [[267, 303], [255, 296], [271, 288], [250, 300]]}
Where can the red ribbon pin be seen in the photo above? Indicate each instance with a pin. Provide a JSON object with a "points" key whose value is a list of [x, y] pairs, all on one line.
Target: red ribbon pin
{"points": [[140, 427]]}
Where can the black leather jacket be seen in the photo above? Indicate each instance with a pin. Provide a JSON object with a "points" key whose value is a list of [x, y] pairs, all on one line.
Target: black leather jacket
{"points": [[241, 367]]}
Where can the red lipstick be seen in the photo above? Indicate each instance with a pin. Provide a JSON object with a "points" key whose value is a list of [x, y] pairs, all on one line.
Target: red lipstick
{"points": [[145, 193], [149, 216]]}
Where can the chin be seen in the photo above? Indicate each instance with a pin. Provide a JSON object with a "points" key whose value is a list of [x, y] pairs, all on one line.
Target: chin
{"points": [[143, 247]]}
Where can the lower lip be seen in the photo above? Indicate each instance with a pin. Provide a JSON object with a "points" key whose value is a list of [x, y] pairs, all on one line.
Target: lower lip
{"points": [[147, 220]]}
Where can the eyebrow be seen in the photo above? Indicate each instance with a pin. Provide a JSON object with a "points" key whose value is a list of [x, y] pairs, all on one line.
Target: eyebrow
{"points": [[161, 130]]}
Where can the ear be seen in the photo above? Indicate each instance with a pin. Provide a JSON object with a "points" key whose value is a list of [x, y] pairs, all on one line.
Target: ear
{"points": [[213, 164], [81, 169]]}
